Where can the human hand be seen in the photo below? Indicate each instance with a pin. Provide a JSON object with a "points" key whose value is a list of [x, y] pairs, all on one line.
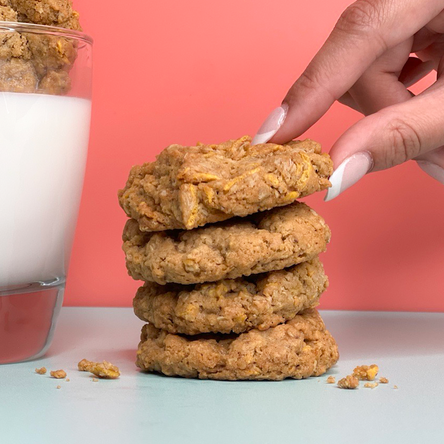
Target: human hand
{"points": [[365, 64]]}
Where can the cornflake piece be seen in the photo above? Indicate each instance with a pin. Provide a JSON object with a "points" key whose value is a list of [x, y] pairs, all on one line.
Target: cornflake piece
{"points": [[58, 374], [365, 372], [105, 370], [331, 380], [41, 371], [383, 380], [371, 385], [349, 382]]}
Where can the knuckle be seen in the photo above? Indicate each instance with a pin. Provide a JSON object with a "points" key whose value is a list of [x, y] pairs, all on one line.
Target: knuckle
{"points": [[312, 81], [405, 142], [360, 17]]}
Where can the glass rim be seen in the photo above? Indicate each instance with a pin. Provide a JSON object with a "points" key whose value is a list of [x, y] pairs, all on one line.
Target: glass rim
{"points": [[45, 29]]}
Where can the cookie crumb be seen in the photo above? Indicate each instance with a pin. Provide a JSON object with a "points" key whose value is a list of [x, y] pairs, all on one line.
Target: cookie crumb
{"points": [[349, 382], [41, 371], [371, 385], [331, 380], [67, 379], [94, 379], [103, 369], [395, 387], [84, 365], [58, 374], [59, 387], [366, 372], [383, 380]]}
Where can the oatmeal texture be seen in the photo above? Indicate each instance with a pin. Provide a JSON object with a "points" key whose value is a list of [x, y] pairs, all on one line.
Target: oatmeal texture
{"points": [[266, 241], [298, 349], [237, 305], [190, 186], [36, 62]]}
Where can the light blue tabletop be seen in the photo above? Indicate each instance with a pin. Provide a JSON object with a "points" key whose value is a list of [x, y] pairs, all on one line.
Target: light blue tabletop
{"points": [[143, 408]]}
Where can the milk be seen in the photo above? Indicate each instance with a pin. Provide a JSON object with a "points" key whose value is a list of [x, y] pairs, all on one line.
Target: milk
{"points": [[43, 146]]}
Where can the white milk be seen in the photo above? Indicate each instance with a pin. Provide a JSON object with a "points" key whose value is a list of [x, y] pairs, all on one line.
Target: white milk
{"points": [[43, 146]]}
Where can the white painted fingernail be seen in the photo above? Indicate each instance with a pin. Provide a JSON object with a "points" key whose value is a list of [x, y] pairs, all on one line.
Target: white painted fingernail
{"points": [[432, 170], [348, 173], [271, 125]]}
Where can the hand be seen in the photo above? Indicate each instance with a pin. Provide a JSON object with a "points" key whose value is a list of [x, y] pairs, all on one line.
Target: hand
{"points": [[365, 63]]}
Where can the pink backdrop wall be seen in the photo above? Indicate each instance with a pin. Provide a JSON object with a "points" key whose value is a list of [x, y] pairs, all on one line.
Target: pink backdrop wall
{"points": [[177, 72]]}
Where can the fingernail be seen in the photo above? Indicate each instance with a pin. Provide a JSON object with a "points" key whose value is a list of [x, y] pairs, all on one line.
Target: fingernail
{"points": [[348, 173], [271, 125], [432, 170]]}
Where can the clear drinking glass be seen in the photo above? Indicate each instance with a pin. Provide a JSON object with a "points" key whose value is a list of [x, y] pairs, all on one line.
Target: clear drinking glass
{"points": [[45, 113]]}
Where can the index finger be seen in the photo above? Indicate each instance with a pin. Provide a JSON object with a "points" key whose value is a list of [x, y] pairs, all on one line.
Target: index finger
{"points": [[365, 30]]}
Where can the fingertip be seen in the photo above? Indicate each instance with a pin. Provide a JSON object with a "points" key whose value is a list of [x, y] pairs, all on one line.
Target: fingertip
{"points": [[271, 125]]}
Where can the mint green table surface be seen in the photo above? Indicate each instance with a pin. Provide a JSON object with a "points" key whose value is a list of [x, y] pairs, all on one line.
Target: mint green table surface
{"points": [[144, 408]]}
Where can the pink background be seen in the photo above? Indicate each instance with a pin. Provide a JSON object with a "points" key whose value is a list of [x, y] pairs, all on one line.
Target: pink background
{"points": [[178, 72]]}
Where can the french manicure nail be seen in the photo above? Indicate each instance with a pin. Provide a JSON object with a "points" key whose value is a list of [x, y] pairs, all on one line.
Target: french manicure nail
{"points": [[271, 125], [348, 173], [432, 170]]}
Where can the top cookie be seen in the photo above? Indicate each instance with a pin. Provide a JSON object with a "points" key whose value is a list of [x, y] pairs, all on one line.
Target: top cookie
{"points": [[187, 187]]}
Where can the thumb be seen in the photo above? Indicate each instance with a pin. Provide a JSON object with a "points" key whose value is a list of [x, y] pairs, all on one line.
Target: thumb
{"points": [[387, 138]]}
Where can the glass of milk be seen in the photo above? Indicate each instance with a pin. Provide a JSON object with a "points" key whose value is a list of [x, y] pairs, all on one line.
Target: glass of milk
{"points": [[45, 112]]}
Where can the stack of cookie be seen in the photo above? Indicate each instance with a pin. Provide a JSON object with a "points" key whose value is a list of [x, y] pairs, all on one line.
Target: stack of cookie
{"points": [[230, 260]]}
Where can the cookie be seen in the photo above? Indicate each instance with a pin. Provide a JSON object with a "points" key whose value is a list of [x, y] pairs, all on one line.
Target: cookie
{"points": [[298, 349], [35, 62], [267, 241], [188, 187], [58, 13], [232, 305]]}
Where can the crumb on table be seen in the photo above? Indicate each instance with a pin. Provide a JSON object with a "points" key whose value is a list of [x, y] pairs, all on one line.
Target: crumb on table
{"points": [[349, 382], [58, 374], [84, 365], [371, 385], [383, 380], [331, 380], [58, 387], [41, 371], [366, 372], [94, 379], [103, 369], [395, 387]]}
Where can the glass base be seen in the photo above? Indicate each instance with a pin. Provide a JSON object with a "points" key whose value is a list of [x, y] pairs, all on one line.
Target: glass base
{"points": [[28, 315]]}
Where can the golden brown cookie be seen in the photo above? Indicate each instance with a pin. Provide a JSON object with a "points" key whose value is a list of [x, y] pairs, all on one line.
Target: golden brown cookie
{"points": [[187, 187], [36, 62], [298, 349], [58, 13], [267, 241], [232, 305]]}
